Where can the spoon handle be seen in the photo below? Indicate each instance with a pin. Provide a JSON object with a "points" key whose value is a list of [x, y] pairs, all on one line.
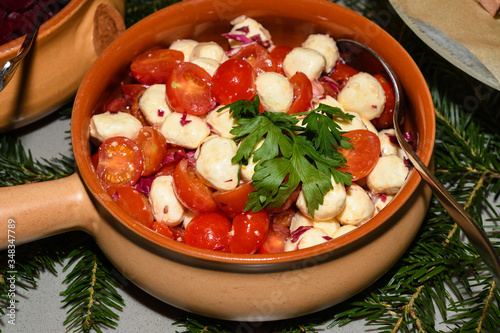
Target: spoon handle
{"points": [[472, 230]]}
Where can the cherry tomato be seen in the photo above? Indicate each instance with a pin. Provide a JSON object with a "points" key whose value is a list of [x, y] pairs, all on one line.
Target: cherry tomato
{"points": [[155, 66], [153, 147], [233, 202], [385, 120], [209, 231], [188, 89], [249, 232], [118, 105], [275, 240], [278, 54], [341, 74], [162, 229], [190, 191], [288, 202], [120, 162], [362, 159], [131, 93], [133, 203], [233, 80], [302, 93], [257, 56]]}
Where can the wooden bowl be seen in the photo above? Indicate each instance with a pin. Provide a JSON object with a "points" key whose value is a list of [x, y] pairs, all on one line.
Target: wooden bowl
{"points": [[65, 48], [221, 285]]}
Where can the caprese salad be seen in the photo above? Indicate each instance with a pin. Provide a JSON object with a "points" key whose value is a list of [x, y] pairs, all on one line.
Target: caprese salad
{"points": [[249, 147]]}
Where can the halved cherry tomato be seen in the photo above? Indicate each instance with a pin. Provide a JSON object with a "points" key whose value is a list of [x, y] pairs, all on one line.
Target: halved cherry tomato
{"points": [[209, 231], [276, 239], [233, 202], [155, 66], [163, 229], [249, 232], [302, 93], [233, 80], [341, 74], [364, 156], [133, 203], [153, 147], [118, 105], [188, 89], [120, 162], [278, 54], [190, 191], [385, 120], [257, 56], [132, 93]]}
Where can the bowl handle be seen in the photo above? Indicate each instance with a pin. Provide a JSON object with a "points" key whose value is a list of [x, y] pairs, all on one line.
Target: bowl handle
{"points": [[34, 211], [107, 25]]}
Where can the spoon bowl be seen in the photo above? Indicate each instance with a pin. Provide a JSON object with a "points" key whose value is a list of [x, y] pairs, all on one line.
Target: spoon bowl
{"points": [[356, 52]]}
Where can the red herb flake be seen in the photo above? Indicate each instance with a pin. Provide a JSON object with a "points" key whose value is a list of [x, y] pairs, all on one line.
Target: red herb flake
{"points": [[184, 122], [382, 197], [393, 139], [115, 196], [161, 113], [328, 238], [374, 106], [245, 29]]}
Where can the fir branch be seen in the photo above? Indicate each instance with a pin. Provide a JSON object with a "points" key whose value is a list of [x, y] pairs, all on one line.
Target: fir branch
{"points": [[18, 167], [91, 295]]}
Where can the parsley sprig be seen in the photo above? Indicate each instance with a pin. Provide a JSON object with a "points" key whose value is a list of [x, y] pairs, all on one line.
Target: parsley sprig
{"points": [[290, 154]]}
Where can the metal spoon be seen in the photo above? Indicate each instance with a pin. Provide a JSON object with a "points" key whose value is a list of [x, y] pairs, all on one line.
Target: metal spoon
{"points": [[355, 52], [10, 67]]}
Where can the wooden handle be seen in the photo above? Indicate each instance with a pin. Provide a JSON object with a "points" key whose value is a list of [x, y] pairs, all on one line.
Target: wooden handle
{"points": [[34, 211]]}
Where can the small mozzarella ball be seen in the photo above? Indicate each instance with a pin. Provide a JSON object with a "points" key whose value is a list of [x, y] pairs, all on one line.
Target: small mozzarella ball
{"points": [[333, 203], [329, 226], [330, 101], [308, 238], [363, 94], [107, 125], [253, 27], [351, 125], [221, 123], [275, 91], [389, 144], [210, 65], [210, 50], [300, 220], [186, 46], [325, 45], [369, 126], [381, 200], [308, 61], [343, 230], [153, 104], [184, 130], [248, 170], [358, 207], [164, 203], [214, 163], [388, 176]]}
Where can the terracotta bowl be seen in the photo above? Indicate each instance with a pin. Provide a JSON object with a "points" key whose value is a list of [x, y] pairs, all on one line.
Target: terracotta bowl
{"points": [[65, 48], [230, 286]]}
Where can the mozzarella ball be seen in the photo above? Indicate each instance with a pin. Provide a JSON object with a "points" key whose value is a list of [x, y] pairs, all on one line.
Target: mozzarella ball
{"points": [[214, 164], [153, 104], [188, 216], [308, 61], [107, 125], [186, 46], [275, 91], [333, 203], [330, 101], [389, 144], [300, 220], [184, 130], [210, 50], [369, 126], [330, 226], [358, 207], [380, 200], [248, 170], [363, 94], [343, 230], [308, 238], [388, 176], [250, 28], [351, 125], [325, 45], [164, 203], [210, 65], [221, 123]]}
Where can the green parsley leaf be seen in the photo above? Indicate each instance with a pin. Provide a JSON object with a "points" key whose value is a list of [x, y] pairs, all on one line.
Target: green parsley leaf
{"points": [[289, 155]]}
